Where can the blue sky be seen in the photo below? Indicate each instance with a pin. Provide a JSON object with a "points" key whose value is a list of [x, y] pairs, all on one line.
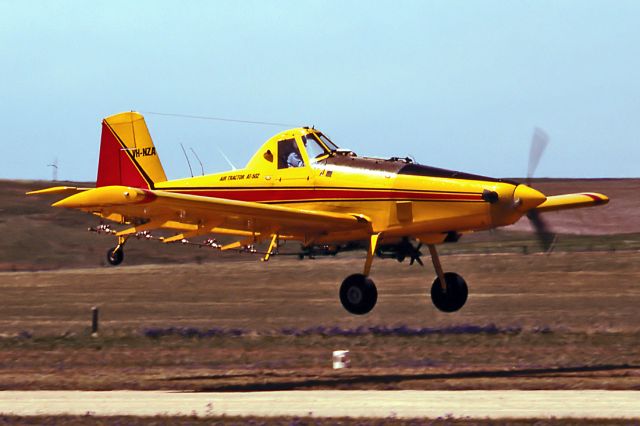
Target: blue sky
{"points": [[455, 84]]}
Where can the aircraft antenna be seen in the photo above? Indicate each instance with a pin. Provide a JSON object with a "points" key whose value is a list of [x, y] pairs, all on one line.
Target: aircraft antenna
{"points": [[185, 156], [230, 120], [198, 158], [226, 158], [54, 166]]}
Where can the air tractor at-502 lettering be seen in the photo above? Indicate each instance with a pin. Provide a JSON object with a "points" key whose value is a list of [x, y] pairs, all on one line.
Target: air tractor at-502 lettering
{"points": [[300, 186]]}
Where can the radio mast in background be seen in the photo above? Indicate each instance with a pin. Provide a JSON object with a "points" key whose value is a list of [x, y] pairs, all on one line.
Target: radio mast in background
{"points": [[54, 166]]}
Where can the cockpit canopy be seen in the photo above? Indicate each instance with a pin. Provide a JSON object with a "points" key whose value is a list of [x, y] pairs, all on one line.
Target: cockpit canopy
{"points": [[316, 145], [304, 147]]}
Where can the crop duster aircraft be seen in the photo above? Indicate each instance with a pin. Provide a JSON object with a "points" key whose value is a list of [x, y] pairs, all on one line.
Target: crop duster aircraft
{"points": [[301, 186]]}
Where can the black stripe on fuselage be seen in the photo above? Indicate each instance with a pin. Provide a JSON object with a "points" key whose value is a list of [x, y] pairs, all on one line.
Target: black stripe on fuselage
{"points": [[429, 171]]}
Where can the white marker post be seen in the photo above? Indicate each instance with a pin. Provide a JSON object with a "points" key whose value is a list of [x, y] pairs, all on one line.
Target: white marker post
{"points": [[341, 359]]}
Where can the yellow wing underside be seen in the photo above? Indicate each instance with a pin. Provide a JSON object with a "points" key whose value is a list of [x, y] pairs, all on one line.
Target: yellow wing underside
{"points": [[197, 215]]}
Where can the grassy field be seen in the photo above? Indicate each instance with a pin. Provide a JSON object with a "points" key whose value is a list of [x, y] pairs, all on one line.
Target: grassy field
{"points": [[176, 317], [560, 321]]}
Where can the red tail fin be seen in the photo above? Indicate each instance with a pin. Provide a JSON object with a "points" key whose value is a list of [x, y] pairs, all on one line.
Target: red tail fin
{"points": [[127, 154]]}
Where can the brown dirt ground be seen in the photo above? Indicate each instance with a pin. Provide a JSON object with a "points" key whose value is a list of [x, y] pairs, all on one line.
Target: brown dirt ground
{"points": [[568, 320], [563, 321]]}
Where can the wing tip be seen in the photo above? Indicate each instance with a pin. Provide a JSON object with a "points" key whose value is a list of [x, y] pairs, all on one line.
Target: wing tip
{"points": [[598, 199]]}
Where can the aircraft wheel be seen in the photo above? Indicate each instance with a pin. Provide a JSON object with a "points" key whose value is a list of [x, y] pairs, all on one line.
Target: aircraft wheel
{"points": [[455, 296], [115, 255], [358, 294]]}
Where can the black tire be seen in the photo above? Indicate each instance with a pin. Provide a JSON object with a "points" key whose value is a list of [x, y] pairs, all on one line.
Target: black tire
{"points": [[358, 294], [455, 296], [115, 256]]}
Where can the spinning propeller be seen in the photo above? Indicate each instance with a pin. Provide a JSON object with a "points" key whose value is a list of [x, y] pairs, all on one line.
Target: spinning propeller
{"points": [[415, 255], [539, 142], [401, 250]]}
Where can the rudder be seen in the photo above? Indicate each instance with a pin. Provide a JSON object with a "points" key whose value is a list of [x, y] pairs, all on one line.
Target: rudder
{"points": [[127, 154]]}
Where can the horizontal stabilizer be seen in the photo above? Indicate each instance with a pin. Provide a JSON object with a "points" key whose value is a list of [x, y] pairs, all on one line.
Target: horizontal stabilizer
{"points": [[572, 201], [66, 190]]}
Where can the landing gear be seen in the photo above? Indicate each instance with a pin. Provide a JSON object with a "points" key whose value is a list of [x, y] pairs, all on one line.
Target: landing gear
{"points": [[453, 297], [358, 294], [449, 290], [115, 255]]}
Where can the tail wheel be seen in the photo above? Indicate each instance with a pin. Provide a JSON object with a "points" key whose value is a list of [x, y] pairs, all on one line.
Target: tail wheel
{"points": [[358, 294], [115, 255], [456, 295]]}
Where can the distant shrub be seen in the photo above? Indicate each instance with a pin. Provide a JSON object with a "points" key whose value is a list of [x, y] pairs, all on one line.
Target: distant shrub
{"points": [[191, 332], [319, 330], [25, 335]]}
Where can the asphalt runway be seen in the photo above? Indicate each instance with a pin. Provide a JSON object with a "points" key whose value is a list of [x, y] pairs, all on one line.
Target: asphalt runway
{"points": [[330, 403]]}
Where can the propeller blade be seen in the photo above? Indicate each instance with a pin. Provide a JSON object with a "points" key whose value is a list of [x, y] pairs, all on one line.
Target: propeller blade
{"points": [[416, 258], [416, 255], [539, 142], [544, 234]]}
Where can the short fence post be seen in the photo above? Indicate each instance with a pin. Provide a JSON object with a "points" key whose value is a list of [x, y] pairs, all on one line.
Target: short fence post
{"points": [[94, 321]]}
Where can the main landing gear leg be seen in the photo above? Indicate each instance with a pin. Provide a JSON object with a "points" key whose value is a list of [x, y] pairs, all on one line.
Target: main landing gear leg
{"points": [[358, 293], [115, 255], [449, 290]]}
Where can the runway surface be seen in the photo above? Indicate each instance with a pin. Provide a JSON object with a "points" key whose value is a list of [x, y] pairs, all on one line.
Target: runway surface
{"points": [[329, 403]]}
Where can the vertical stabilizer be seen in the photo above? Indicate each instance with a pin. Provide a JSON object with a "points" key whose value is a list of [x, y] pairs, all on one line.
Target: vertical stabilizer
{"points": [[127, 154]]}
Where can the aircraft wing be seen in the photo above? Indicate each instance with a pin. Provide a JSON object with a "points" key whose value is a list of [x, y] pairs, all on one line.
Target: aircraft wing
{"points": [[152, 209], [572, 201]]}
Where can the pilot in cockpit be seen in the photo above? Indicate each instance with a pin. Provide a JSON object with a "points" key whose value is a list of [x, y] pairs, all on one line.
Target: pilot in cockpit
{"points": [[289, 154], [294, 160]]}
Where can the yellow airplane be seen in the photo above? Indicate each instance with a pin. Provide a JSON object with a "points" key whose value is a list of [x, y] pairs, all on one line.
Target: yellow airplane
{"points": [[300, 186]]}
